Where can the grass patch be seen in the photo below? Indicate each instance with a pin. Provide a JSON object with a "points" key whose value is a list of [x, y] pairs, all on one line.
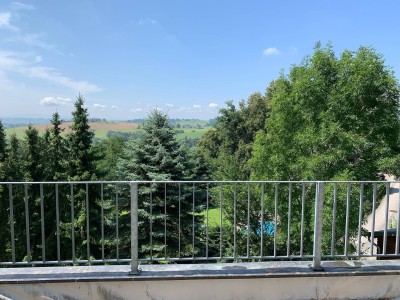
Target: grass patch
{"points": [[214, 218]]}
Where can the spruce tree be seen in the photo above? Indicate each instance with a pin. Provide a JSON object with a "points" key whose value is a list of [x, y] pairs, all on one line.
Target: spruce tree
{"points": [[33, 155], [3, 195], [14, 171], [3, 144], [81, 163], [157, 156], [81, 167], [57, 151]]}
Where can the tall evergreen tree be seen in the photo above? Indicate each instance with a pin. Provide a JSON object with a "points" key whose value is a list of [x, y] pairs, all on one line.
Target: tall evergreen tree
{"points": [[33, 155], [3, 144], [57, 151], [14, 171], [158, 156], [81, 167], [81, 163], [3, 196]]}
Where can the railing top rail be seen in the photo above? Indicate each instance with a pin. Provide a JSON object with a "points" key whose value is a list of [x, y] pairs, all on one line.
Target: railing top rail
{"points": [[198, 181]]}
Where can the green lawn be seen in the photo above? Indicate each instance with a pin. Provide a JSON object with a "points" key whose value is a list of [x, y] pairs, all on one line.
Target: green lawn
{"points": [[214, 218]]}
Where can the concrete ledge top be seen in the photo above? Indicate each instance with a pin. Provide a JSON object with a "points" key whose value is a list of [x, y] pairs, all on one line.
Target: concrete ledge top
{"points": [[276, 269]]}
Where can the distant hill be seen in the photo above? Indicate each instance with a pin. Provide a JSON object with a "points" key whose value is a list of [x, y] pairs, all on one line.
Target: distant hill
{"points": [[16, 122], [186, 129], [100, 128]]}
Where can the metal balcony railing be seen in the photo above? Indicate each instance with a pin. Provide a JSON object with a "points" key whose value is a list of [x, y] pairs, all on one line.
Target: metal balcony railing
{"points": [[60, 223]]}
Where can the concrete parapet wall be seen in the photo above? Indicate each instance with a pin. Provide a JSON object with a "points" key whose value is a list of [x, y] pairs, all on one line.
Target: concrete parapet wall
{"points": [[285, 280]]}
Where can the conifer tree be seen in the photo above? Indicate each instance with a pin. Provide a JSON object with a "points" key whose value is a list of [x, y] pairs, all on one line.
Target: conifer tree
{"points": [[57, 151], [158, 156], [14, 170], [81, 164], [33, 155], [81, 167], [3, 144], [3, 195]]}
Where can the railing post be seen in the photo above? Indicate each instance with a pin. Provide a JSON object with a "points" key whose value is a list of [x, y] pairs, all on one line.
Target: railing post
{"points": [[134, 229], [319, 204]]}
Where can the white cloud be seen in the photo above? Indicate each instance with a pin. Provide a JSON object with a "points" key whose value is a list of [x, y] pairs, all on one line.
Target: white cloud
{"points": [[213, 105], [169, 105], [114, 107], [21, 6], [271, 51], [136, 110], [5, 21], [32, 39], [97, 105], [55, 101], [20, 63], [51, 75], [196, 106]]}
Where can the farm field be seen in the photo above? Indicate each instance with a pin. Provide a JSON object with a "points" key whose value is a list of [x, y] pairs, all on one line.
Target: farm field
{"points": [[102, 128]]}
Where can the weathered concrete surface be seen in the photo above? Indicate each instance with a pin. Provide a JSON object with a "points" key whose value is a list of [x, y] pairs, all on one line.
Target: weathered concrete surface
{"points": [[268, 280]]}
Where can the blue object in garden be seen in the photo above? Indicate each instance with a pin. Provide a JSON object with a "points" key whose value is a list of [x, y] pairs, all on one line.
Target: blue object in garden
{"points": [[268, 228]]}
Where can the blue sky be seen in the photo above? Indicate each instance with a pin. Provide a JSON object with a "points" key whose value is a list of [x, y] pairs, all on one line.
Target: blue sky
{"points": [[184, 57]]}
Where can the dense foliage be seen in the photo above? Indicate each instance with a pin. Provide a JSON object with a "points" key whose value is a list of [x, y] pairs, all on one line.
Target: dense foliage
{"points": [[329, 118]]}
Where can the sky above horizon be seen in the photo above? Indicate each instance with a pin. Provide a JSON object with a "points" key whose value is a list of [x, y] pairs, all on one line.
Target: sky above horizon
{"points": [[186, 58]]}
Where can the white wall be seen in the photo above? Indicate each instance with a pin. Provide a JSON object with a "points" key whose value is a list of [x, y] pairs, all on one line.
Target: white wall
{"points": [[345, 287]]}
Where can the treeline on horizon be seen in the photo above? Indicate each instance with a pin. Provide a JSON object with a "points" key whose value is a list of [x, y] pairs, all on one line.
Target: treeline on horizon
{"points": [[329, 118]]}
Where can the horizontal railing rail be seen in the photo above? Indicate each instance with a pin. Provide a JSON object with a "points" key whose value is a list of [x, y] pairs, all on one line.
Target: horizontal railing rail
{"points": [[89, 222]]}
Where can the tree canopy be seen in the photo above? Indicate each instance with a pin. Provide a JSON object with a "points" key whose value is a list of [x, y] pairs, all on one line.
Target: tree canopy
{"points": [[331, 118]]}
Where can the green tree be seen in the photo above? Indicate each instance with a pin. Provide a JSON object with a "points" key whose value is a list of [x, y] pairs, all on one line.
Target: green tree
{"points": [[33, 155], [3, 143], [14, 171], [331, 119], [81, 162], [81, 167], [108, 151], [56, 151], [158, 156]]}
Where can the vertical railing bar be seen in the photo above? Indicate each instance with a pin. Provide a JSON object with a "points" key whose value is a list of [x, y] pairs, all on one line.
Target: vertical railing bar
{"points": [[10, 196], [386, 218], [374, 195], [134, 229], [42, 224], [87, 224], [248, 220], [193, 218], [179, 225], [102, 220], [275, 217], [73, 223], [360, 218], [179, 220], [303, 200], [58, 224], [117, 219], [234, 218], [165, 220], [335, 187], [346, 238], [318, 225], [207, 216], [220, 221], [28, 238], [151, 222], [261, 217], [398, 223], [289, 219]]}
